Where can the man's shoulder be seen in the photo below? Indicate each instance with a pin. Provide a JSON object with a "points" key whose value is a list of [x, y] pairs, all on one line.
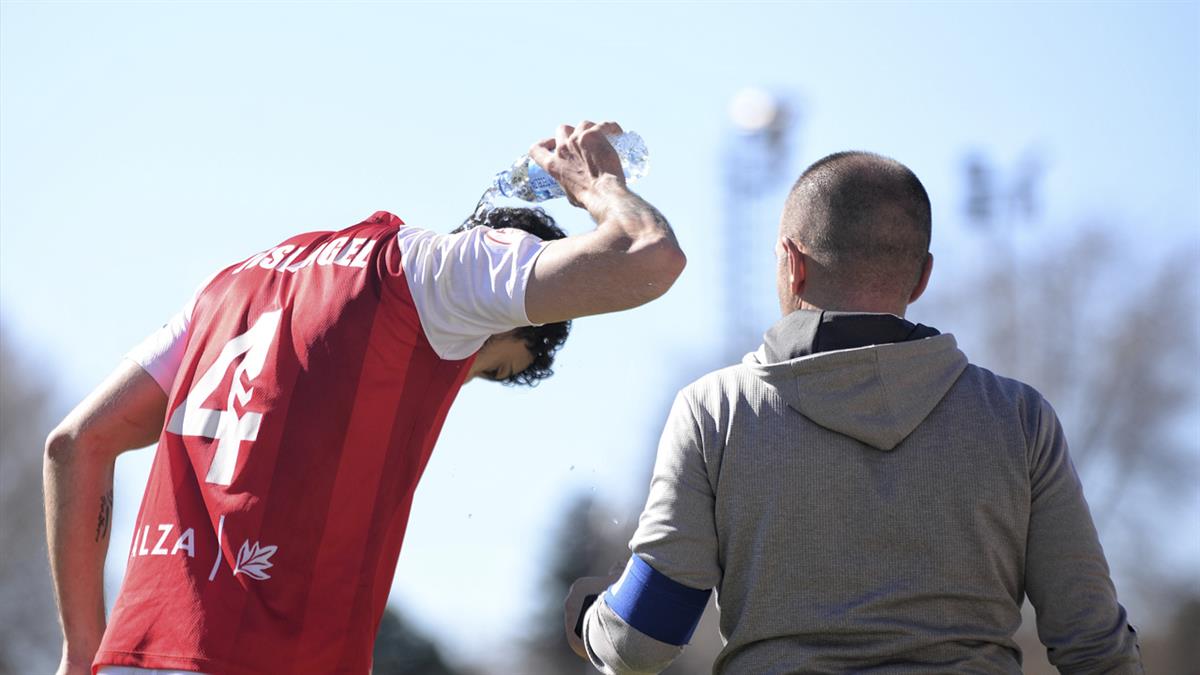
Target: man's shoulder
{"points": [[727, 375], [732, 381], [1008, 387], [998, 393]]}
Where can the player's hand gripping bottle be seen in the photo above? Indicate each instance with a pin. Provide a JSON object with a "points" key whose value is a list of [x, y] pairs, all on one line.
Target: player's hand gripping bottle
{"points": [[526, 180]]}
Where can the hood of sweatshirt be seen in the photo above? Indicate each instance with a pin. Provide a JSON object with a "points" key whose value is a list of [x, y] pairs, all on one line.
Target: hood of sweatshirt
{"points": [[872, 377]]}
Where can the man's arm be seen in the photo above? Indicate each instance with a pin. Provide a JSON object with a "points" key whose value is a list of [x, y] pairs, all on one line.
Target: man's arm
{"points": [[641, 623], [630, 258], [125, 412], [1084, 628]]}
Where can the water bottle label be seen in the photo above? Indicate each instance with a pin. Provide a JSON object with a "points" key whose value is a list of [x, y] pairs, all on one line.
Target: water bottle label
{"points": [[540, 181]]}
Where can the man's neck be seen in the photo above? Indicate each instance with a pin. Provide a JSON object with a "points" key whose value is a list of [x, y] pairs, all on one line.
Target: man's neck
{"points": [[862, 307]]}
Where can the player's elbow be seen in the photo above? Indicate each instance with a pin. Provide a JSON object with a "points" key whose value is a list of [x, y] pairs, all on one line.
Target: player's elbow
{"points": [[656, 265], [69, 444], [670, 260], [60, 446]]}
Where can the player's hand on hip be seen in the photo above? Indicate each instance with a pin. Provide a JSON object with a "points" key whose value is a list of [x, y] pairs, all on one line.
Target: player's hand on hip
{"points": [[582, 160]]}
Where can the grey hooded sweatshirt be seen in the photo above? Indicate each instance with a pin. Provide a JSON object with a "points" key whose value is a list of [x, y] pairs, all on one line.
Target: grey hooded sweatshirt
{"points": [[881, 509]]}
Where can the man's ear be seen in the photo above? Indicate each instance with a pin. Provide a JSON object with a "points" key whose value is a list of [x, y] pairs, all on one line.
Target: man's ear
{"points": [[796, 270], [923, 282]]}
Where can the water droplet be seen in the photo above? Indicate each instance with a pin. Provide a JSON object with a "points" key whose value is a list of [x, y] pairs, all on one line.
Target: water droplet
{"points": [[616, 522]]}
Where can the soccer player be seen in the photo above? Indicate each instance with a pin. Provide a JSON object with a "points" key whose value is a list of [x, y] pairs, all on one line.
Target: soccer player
{"points": [[862, 498], [296, 400]]}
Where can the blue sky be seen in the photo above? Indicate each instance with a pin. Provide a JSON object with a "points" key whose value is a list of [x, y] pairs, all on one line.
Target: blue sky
{"points": [[143, 145]]}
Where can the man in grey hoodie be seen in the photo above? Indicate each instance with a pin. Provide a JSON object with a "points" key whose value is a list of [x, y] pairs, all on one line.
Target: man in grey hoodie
{"points": [[861, 497]]}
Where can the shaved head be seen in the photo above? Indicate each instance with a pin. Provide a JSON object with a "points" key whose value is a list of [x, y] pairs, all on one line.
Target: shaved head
{"points": [[864, 220]]}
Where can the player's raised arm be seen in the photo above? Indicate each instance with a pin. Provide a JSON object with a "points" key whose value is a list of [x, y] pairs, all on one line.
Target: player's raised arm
{"points": [[630, 258]]}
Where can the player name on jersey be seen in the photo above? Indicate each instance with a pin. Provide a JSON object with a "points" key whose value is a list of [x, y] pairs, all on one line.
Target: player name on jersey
{"points": [[343, 251]]}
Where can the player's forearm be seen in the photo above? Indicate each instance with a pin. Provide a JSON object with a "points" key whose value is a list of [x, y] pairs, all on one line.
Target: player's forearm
{"points": [[632, 227], [78, 500]]}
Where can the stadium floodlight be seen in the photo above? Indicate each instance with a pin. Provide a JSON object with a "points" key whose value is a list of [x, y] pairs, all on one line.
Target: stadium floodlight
{"points": [[755, 166], [754, 110]]}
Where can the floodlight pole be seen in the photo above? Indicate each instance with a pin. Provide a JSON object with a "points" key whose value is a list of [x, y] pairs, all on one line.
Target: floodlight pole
{"points": [[754, 161]]}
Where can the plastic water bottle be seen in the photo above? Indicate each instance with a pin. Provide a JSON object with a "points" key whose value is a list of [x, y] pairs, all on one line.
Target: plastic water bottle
{"points": [[526, 180]]}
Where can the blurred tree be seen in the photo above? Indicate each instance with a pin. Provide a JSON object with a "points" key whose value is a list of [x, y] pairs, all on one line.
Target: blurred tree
{"points": [[30, 640], [1110, 337], [586, 544], [402, 650], [1108, 333], [1184, 655]]}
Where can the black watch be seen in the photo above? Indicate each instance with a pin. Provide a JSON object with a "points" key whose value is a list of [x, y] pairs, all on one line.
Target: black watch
{"points": [[588, 601]]}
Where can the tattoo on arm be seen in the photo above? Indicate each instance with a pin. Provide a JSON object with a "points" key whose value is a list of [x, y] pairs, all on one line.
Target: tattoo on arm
{"points": [[659, 218], [637, 207], [104, 520]]}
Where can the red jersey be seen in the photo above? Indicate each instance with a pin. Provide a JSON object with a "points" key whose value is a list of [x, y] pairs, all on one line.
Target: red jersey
{"points": [[305, 397]]}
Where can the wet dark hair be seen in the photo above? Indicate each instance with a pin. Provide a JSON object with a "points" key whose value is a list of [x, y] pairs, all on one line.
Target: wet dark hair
{"points": [[542, 341]]}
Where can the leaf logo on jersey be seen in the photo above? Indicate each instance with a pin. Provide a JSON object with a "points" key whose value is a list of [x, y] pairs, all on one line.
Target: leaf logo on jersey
{"points": [[253, 561]]}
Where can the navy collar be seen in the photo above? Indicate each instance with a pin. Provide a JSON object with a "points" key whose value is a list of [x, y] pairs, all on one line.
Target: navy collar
{"points": [[809, 331]]}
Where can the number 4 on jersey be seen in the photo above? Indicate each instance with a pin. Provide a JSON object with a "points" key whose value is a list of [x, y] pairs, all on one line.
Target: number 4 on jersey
{"points": [[226, 426]]}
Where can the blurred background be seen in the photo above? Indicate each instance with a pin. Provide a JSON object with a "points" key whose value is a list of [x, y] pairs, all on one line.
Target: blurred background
{"points": [[143, 145]]}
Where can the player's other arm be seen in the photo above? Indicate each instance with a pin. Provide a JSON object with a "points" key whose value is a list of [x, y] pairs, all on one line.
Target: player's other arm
{"points": [[631, 257], [126, 411]]}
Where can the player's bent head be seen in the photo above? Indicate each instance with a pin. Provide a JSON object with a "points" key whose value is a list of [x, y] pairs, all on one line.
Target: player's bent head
{"points": [[539, 342], [523, 355], [534, 220], [864, 219]]}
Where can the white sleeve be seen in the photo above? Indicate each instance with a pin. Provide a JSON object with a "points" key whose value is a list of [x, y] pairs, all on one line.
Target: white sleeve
{"points": [[468, 286], [161, 353]]}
